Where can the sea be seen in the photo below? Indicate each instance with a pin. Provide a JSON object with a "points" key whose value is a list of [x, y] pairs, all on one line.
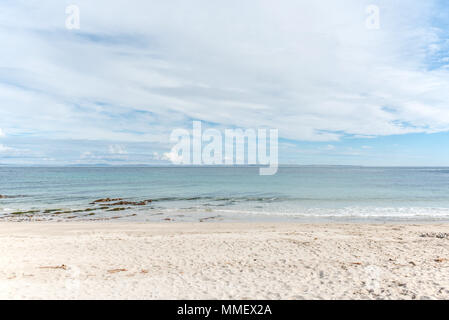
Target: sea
{"points": [[230, 194]]}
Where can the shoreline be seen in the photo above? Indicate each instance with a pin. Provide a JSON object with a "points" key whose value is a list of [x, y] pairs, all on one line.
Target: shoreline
{"points": [[223, 260], [214, 221]]}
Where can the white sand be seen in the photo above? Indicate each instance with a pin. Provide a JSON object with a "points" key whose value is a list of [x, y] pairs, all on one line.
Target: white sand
{"points": [[222, 261]]}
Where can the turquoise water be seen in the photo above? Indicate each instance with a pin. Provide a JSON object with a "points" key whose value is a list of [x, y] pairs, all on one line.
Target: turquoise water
{"points": [[226, 193]]}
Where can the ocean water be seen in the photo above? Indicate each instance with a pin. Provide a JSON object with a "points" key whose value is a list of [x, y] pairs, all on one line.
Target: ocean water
{"points": [[300, 193]]}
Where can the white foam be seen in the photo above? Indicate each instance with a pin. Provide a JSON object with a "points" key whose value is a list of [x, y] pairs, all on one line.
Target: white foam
{"points": [[356, 212]]}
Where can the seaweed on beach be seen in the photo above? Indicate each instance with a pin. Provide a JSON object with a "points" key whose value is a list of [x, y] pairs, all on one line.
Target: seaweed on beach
{"points": [[63, 267], [103, 205], [25, 212], [117, 270], [131, 203], [106, 200], [84, 210], [209, 218], [117, 209], [52, 210], [2, 196]]}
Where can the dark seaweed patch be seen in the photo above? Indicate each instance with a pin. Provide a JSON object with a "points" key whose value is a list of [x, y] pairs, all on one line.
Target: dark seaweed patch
{"points": [[25, 212], [116, 209]]}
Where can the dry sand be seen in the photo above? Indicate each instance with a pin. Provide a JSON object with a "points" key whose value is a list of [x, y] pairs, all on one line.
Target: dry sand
{"points": [[223, 261]]}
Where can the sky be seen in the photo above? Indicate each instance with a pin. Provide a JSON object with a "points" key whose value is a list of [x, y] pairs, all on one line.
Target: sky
{"points": [[111, 92]]}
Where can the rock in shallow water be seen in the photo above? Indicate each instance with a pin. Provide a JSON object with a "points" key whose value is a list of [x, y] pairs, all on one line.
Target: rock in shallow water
{"points": [[131, 203], [106, 200], [121, 202]]}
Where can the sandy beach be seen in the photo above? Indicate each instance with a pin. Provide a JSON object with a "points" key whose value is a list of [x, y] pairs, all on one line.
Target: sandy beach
{"points": [[223, 261]]}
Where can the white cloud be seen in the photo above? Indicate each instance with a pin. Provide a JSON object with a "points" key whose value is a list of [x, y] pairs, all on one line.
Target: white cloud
{"points": [[2, 134], [156, 156], [115, 153], [172, 156], [5, 149], [86, 155], [136, 71], [117, 149], [14, 152]]}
